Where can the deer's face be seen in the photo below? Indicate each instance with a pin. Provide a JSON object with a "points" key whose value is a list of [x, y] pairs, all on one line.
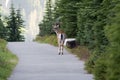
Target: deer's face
{"points": [[55, 28]]}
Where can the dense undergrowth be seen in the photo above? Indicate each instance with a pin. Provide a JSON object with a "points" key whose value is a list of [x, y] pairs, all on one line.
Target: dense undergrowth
{"points": [[7, 61]]}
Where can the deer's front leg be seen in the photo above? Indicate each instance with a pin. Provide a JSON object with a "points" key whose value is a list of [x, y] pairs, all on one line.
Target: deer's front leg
{"points": [[62, 47], [59, 47]]}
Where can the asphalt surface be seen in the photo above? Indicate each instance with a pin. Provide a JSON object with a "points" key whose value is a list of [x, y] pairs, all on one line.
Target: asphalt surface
{"points": [[42, 62]]}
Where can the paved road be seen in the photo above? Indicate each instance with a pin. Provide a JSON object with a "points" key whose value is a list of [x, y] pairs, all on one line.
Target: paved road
{"points": [[42, 62]]}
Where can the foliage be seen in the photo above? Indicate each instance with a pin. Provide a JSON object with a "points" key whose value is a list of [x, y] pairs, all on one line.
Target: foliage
{"points": [[2, 30], [91, 22], [90, 63], [113, 34], [94, 34], [47, 39], [20, 25], [66, 12], [109, 63], [100, 68], [7, 61], [14, 24], [46, 25], [95, 24], [113, 70]]}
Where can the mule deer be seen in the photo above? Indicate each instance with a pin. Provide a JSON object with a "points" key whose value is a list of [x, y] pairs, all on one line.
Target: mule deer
{"points": [[60, 37]]}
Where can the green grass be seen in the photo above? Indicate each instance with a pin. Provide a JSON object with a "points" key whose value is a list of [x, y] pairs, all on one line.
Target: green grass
{"points": [[47, 39], [81, 51], [7, 61]]}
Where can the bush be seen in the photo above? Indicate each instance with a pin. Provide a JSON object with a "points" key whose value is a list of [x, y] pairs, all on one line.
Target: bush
{"points": [[113, 33], [90, 63], [108, 67], [113, 63], [3, 44], [7, 61], [100, 68]]}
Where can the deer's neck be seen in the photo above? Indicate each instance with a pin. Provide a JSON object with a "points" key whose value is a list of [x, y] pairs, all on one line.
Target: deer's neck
{"points": [[58, 32]]}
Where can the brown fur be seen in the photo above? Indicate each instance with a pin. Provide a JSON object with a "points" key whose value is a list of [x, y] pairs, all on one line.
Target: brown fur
{"points": [[58, 31]]}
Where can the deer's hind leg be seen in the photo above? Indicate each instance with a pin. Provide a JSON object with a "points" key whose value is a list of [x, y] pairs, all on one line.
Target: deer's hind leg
{"points": [[59, 50], [62, 47], [59, 47]]}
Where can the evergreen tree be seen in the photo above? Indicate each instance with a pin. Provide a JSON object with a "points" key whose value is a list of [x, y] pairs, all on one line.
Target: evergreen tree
{"points": [[86, 20], [15, 23], [67, 10], [56, 13], [43, 29], [46, 24], [12, 25], [91, 21], [107, 66], [2, 29], [113, 33], [92, 17], [20, 25], [48, 16]]}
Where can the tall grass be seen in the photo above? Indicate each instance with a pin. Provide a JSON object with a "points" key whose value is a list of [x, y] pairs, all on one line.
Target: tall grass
{"points": [[7, 61], [52, 39]]}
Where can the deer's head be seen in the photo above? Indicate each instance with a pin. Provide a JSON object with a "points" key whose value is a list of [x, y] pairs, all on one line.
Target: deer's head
{"points": [[56, 27]]}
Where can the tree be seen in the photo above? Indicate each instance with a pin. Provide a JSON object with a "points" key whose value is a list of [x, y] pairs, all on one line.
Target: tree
{"points": [[46, 24], [12, 25], [20, 25], [2, 27], [91, 21], [67, 10], [107, 66], [2, 30], [15, 23], [92, 18], [113, 34]]}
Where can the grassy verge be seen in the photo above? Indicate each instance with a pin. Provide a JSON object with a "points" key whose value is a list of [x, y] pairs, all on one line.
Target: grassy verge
{"points": [[81, 51], [47, 39], [7, 61]]}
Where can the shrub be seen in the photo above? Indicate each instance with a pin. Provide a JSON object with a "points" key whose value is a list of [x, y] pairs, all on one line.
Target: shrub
{"points": [[7, 61], [90, 63], [100, 68], [113, 63]]}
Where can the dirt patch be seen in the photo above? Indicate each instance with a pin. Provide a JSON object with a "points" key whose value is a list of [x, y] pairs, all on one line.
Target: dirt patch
{"points": [[81, 51]]}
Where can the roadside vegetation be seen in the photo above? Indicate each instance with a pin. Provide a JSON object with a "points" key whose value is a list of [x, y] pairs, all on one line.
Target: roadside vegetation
{"points": [[52, 39], [81, 51], [12, 25], [7, 61], [96, 26], [10, 30]]}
